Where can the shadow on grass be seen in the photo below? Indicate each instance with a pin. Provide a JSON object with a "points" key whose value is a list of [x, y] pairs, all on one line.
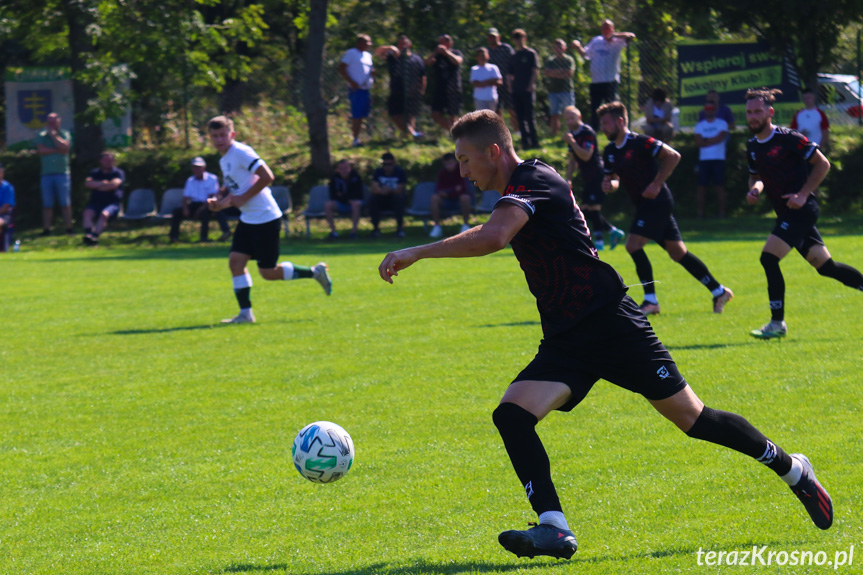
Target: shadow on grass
{"points": [[512, 324], [164, 330], [424, 567], [702, 346]]}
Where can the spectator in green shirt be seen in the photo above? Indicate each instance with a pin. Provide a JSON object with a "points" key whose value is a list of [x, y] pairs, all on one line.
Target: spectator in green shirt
{"points": [[558, 73], [53, 145]]}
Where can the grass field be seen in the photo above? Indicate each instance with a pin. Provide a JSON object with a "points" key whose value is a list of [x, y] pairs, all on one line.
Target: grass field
{"points": [[138, 436]]}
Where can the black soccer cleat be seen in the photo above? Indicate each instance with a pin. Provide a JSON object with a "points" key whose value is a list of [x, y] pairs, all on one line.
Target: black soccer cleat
{"points": [[813, 497], [542, 539]]}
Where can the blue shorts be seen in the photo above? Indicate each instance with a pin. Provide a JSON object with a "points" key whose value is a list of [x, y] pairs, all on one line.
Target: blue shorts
{"points": [[449, 204], [345, 208], [557, 101], [111, 209], [56, 186], [711, 171], [361, 103]]}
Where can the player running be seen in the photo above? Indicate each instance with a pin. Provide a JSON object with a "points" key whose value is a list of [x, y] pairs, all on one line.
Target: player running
{"points": [[584, 157], [591, 330], [247, 178], [788, 168], [643, 164]]}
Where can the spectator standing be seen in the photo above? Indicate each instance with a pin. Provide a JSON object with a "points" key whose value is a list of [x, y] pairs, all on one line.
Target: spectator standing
{"points": [[452, 194], [200, 187], [603, 53], [247, 178], [486, 80], [500, 54], [53, 145], [711, 137], [346, 197], [407, 84], [657, 112], [446, 101], [7, 210], [357, 68], [558, 73], [523, 73], [388, 193], [812, 122], [723, 112], [106, 193]]}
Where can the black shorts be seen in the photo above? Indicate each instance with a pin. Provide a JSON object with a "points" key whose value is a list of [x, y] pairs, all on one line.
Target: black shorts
{"points": [[615, 343], [797, 228], [399, 105], [259, 241], [711, 171], [592, 194], [447, 103], [655, 220]]}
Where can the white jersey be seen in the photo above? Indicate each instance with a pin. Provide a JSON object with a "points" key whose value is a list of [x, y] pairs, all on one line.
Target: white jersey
{"points": [[238, 170]]}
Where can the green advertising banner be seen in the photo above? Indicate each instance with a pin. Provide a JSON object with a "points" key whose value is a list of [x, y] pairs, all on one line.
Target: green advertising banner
{"points": [[731, 68]]}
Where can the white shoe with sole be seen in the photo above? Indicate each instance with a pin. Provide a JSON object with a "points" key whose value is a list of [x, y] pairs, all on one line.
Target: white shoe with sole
{"points": [[321, 274]]}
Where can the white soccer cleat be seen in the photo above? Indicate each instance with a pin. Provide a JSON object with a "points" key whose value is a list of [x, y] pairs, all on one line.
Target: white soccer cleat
{"points": [[241, 318], [436, 232], [321, 274]]}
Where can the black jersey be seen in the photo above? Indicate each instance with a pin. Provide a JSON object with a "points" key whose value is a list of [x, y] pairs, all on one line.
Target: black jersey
{"points": [[782, 163], [554, 250], [591, 169], [636, 165]]}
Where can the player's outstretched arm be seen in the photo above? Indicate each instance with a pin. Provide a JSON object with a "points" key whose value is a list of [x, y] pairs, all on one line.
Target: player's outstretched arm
{"points": [[494, 235]]}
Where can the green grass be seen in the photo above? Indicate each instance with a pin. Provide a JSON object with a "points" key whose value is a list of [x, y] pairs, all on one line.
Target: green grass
{"points": [[137, 436]]}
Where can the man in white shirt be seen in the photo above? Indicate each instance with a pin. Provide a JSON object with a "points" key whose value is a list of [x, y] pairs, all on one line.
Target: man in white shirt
{"points": [[711, 137], [200, 187], [485, 78], [247, 178], [603, 53], [811, 122], [358, 71]]}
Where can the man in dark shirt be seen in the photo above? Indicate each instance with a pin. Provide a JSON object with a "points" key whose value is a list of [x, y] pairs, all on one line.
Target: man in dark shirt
{"points": [[584, 157], [407, 84], [788, 168], [106, 183], [523, 73], [500, 54], [642, 164], [591, 330], [388, 193], [446, 100], [346, 197]]}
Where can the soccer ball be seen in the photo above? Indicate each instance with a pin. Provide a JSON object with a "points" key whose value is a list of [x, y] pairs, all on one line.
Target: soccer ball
{"points": [[323, 452]]}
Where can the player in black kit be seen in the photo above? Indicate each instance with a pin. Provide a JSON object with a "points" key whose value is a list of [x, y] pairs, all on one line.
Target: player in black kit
{"points": [[788, 168], [585, 157], [642, 164], [591, 330]]}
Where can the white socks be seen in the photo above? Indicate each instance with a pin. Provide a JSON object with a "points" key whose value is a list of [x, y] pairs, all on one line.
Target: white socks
{"points": [[556, 518], [792, 478]]}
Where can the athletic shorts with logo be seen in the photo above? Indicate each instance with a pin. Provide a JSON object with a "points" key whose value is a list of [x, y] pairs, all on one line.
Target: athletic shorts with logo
{"points": [[655, 220], [615, 343], [797, 228]]}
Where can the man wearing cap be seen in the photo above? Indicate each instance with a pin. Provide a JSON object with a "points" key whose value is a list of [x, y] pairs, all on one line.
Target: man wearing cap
{"points": [[500, 54], [200, 186]]}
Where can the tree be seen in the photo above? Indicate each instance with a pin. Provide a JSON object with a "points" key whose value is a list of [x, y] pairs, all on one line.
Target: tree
{"points": [[316, 107]]}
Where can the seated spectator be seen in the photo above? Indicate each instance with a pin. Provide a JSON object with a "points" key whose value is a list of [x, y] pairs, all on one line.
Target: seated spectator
{"points": [[200, 186], [7, 211], [106, 183], [388, 193], [451, 194], [485, 78], [346, 197], [657, 111]]}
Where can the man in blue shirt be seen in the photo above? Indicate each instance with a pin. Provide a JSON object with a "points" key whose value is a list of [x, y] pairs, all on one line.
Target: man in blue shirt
{"points": [[7, 210]]}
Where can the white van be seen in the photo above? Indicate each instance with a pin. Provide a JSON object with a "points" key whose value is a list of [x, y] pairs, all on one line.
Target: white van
{"points": [[839, 97]]}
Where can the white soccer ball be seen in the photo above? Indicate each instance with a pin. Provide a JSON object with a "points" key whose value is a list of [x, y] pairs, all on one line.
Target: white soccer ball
{"points": [[323, 452]]}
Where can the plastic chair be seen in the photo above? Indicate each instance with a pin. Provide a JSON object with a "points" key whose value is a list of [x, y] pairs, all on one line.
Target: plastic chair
{"points": [[140, 205], [171, 200], [487, 202], [282, 195], [421, 202], [318, 197]]}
